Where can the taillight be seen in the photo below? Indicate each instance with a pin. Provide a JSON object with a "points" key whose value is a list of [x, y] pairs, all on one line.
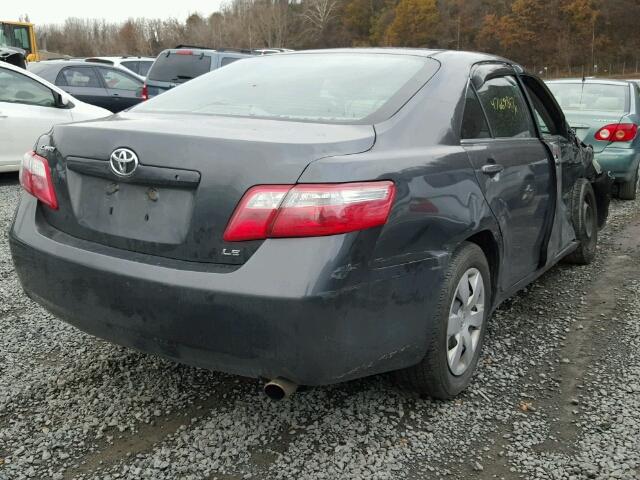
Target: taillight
{"points": [[184, 52], [255, 213], [35, 178], [617, 132], [310, 210], [145, 92]]}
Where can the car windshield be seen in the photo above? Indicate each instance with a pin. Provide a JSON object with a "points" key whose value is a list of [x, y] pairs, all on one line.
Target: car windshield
{"points": [[14, 36], [178, 67], [331, 88], [591, 96]]}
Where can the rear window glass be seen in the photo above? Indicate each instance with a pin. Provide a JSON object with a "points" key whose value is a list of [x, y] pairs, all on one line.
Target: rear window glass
{"points": [[144, 67], [591, 96], [178, 68], [331, 87]]}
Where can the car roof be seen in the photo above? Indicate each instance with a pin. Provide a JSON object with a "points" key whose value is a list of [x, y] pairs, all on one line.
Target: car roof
{"points": [[469, 56], [50, 69], [206, 50], [121, 57], [32, 75], [79, 63], [462, 58], [423, 52], [62, 62], [475, 57]]}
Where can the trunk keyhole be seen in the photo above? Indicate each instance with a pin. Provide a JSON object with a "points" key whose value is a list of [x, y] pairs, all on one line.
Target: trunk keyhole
{"points": [[146, 217]]}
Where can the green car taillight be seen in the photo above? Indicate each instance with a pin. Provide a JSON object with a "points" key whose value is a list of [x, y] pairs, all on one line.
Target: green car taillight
{"points": [[617, 132]]}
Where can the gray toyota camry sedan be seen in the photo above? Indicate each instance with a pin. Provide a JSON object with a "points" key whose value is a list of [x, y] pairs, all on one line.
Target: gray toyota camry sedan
{"points": [[311, 217]]}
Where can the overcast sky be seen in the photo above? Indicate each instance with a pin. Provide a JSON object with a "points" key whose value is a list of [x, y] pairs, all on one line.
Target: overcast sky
{"points": [[56, 11]]}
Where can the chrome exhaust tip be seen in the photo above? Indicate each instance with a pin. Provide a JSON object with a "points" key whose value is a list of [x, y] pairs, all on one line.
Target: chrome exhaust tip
{"points": [[279, 388]]}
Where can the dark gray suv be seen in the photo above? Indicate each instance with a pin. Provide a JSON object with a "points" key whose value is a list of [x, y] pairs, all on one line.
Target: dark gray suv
{"points": [[183, 63]]}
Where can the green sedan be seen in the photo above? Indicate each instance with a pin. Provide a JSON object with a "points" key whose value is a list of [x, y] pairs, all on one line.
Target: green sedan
{"points": [[606, 115]]}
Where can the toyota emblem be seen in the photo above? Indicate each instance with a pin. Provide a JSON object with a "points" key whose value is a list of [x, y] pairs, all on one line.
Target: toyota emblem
{"points": [[123, 162]]}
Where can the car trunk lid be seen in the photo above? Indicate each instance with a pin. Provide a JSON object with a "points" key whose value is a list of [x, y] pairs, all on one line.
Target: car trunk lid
{"points": [[193, 170], [586, 124]]}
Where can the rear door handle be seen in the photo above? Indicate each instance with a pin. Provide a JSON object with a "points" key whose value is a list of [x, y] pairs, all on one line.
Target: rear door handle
{"points": [[492, 169]]}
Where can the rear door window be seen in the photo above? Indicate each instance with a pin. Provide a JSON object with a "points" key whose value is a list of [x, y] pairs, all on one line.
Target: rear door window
{"points": [[119, 80], [474, 122], [179, 68], [506, 108], [79, 77]]}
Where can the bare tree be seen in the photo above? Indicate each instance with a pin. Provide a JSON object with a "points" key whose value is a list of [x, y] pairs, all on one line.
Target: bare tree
{"points": [[317, 16], [577, 35]]}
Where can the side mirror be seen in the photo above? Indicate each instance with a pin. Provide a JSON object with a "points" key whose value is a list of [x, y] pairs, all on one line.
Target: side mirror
{"points": [[570, 132], [61, 100]]}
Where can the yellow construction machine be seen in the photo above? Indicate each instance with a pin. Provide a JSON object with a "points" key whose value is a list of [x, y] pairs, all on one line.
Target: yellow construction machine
{"points": [[20, 35]]}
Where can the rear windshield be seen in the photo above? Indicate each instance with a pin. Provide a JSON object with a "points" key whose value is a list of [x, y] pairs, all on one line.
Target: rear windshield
{"points": [[328, 88], [591, 96], [144, 67], [178, 68]]}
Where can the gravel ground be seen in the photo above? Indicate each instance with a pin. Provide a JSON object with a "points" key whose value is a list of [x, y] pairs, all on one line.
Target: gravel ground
{"points": [[557, 396]]}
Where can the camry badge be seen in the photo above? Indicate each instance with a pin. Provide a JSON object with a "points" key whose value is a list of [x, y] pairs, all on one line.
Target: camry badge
{"points": [[123, 162]]}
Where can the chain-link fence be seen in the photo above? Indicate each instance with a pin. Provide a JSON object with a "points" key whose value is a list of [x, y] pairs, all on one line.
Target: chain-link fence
{"points": [[613, 70]]}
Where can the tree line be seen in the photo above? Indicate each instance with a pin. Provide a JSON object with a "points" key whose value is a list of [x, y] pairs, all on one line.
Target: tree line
{"points": [[575, 36]]}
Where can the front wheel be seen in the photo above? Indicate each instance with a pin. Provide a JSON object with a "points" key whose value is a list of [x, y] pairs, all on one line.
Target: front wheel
{"points": [[584, 217], [457, 331]]}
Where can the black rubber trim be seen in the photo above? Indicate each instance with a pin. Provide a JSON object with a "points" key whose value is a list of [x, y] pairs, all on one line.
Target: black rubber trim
{"points": [[144, 174]]}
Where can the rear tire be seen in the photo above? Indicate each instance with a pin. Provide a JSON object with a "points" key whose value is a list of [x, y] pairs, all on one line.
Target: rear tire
{"points": [[629, 190], [584, 217], [438, 374]]}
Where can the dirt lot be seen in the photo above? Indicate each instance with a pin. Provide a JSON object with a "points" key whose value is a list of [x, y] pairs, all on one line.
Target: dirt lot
{"points": [[557, 396]]}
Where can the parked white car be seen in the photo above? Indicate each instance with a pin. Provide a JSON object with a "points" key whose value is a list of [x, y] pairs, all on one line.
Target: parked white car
{"points": [[29, 107], [138, 65]]}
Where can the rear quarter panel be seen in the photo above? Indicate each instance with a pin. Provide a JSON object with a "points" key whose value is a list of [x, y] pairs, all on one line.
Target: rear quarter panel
{"points": [[438, 201]]}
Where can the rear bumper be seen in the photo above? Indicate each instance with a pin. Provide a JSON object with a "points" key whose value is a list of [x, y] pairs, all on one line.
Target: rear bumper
{"points": [[621, 162], [269, 318], [9, 167]]}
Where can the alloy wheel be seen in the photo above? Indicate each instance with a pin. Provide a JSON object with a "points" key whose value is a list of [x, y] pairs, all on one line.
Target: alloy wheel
{"points": [[466, 318]]}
